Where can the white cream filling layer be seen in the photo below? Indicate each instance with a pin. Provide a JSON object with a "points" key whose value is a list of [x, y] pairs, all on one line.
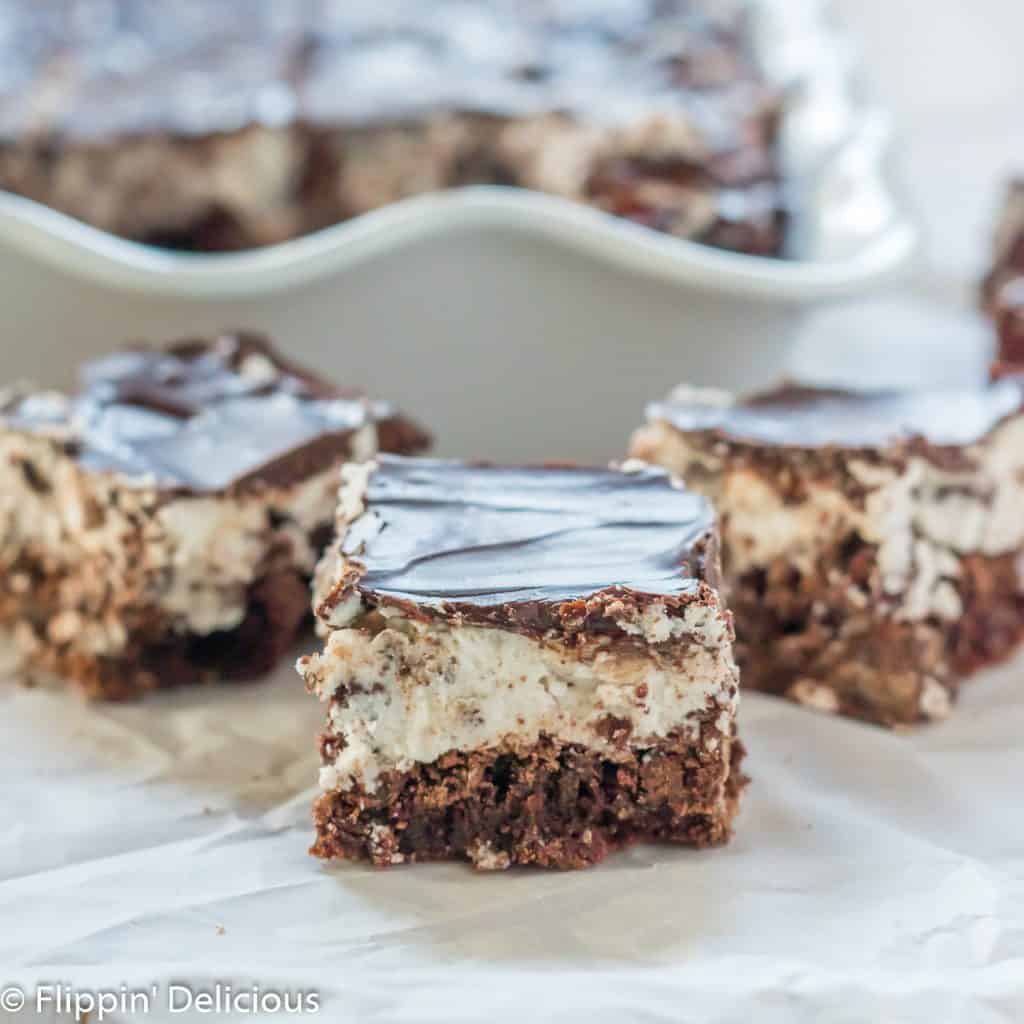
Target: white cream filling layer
{"points": [[216, 547], [922, 518], [415, 690]]}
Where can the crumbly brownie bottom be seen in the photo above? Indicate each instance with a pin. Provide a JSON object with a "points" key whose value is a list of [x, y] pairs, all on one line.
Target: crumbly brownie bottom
{"points": [[278, 606], [818, 639], [551, 804]]}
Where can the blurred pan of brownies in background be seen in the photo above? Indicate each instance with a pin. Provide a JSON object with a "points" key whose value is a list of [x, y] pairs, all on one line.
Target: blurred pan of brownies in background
{"points": [[186, 126]]}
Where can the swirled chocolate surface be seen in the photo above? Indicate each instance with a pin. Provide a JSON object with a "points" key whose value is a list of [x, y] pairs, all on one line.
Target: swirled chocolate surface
{"points": [[799, 416], [100, 68], [464, 537], [203, 416]]}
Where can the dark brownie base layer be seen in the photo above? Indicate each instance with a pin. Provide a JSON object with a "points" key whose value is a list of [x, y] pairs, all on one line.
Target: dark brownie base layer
{"points": [[801, 635], [552, 804], [277, 610]]}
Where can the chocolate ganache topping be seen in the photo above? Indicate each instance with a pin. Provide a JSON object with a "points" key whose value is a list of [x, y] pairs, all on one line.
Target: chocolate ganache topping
{"points": [[108, 68], [459, 537], [800, 416], [199, 416]]}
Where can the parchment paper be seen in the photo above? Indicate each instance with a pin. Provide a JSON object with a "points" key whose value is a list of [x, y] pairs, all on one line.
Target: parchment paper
{"points": [[874, 876]]}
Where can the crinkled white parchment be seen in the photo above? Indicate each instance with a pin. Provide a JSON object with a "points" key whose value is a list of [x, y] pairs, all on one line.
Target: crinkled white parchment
{"points": [[874, 876]]}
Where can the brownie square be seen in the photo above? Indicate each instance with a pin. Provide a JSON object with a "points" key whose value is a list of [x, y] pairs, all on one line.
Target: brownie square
{"points": [[161, 525], [521, 666], [872, 540]]}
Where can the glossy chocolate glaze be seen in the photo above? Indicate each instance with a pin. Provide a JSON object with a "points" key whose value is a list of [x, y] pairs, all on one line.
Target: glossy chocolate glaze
{"points": [[201, 416], [102, 68], [502, 542], [796, 416]]}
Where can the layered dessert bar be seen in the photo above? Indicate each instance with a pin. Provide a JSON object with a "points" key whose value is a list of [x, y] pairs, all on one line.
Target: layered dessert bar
{"points": [[1004, 285], [522, 666], [186, 125], [871, 540], [161, 525]]}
